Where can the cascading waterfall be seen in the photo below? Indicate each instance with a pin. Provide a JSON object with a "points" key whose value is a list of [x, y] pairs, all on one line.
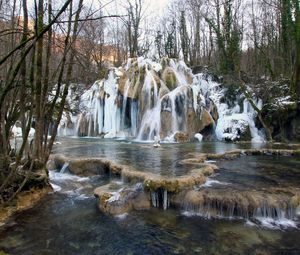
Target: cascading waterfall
{"points": [[180, 77], [145, 100], [282, 214], [150, 124], [111, 110], [64, 168], [134, 116]]}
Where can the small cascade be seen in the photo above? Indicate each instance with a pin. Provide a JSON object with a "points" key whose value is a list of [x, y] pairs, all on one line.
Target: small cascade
{"points": [[266, 211], [150, 124], [222, 210], [179, 109], [133, 117], [253, 206], [65, 168], [250, 112], [111, 110], [180, 77]]}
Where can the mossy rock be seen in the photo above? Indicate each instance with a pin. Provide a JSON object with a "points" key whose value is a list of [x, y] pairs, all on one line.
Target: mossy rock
{"points": [[165, 62], [295, 201], [169, 78], [169, 185]]}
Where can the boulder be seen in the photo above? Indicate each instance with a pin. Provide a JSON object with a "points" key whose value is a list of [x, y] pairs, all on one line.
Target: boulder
{"points": [[123, 200], [83, 125], [181, 137], [169, 78]]}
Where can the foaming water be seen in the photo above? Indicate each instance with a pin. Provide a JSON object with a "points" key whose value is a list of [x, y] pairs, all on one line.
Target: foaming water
{"points": [[280, 223], [210, 182]]}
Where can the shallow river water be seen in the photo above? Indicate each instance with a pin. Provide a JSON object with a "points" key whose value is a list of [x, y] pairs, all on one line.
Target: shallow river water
{"points": [[67, 221]]}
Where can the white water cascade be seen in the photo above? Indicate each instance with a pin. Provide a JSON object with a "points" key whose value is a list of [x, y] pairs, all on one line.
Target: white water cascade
{"points": [[145, 99]]}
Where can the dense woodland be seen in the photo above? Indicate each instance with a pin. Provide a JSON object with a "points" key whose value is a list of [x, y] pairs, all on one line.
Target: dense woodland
{"points": [[51, 44]]}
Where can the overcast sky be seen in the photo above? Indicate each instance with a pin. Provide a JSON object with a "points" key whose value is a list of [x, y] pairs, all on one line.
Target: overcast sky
{"points": [[153, 7]]}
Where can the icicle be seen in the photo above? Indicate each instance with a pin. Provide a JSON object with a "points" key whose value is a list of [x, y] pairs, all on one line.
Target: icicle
{"points": [[154, 198], [165, 200]]}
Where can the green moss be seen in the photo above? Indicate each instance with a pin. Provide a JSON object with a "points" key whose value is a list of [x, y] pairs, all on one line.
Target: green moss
{"points": [[105, 197], [165, 62], [295, 201], [170, 80], [154, 185], [297, 153], [3, 253]]}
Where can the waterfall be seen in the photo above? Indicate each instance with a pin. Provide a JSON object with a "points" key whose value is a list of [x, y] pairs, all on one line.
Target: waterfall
{"points": [[264, 213], [111, 110], [133, 115], [150, 124], [64, 168], [127, 85], [180, 77], [165, 98]]}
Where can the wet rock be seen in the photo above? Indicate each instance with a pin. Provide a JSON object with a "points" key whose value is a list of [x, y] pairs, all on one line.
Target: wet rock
{"points": [[85, 166], [169, 78], [226, 202], [176, 184], [24, 200], [213, 110], [194, 161], [83, 125], [181, 137], [123, 200], [197, 122]]}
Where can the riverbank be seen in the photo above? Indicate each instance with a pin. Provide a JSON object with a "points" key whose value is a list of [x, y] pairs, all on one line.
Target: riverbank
{"points": [[24, 201]]}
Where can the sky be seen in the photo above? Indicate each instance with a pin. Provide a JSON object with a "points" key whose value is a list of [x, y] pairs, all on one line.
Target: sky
{"points": [[153, 8]]}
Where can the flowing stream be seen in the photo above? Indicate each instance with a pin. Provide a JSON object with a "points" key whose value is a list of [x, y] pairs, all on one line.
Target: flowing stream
{"points": [[67, 220]]}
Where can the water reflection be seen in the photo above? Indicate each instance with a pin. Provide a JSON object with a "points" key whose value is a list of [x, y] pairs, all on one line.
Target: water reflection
{"points": [[68, 221]]}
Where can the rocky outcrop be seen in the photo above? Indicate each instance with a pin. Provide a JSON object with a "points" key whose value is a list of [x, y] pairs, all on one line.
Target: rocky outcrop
{"points": [[141, 190], [228, 202], [85, 166], [24, 200], [124, 200], [129, 99], [181, 137], [169, 78], [186, 118]]}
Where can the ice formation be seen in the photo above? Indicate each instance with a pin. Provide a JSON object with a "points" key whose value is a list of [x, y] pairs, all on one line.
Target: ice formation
{"points": [[146, 99]]}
